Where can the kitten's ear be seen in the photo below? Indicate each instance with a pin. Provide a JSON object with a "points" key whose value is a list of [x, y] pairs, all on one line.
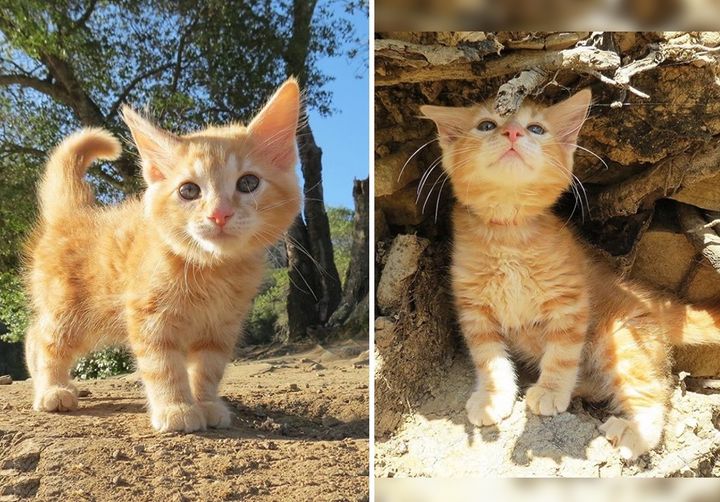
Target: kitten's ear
{"points": [[567, 117], [156, 146], [451, 122], [273, 129]]}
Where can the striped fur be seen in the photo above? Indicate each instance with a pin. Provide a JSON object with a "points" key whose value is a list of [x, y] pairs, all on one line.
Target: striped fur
{"points": [[524, 283], [158, 273]]}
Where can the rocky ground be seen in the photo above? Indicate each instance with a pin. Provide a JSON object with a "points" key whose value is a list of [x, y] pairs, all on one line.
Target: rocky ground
{"points": [[300, 433], [435, 439]]}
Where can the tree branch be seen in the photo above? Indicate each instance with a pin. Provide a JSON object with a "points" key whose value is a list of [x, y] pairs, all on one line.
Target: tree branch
{"points": [[80, 22], [12, 148], [662, 180], [132, 84], [181, 49], [403, 62], [43, 86]]}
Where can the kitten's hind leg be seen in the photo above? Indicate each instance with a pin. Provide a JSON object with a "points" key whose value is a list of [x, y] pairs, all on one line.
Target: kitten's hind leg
{"points": [[208, 359], [641, 392], [50, 358]]}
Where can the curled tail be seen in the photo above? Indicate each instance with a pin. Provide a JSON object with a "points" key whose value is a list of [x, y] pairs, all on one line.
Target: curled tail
{"points": [[695, 325], [62, 189]]}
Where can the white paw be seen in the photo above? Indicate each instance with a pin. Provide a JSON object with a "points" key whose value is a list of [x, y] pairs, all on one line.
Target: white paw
{"points": [[56, 399], [216, 414], [625, 436], [484, 409], [179, 418], [542, 401]]}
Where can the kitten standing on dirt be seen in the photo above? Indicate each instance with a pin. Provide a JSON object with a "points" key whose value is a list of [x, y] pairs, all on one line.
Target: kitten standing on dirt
{"points": [[172, 273], [523, 283]]}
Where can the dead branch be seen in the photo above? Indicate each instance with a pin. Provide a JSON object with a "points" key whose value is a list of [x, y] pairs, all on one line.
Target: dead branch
{"points": [[662, 180], [704, 239], [512, 93], [403, 62]]}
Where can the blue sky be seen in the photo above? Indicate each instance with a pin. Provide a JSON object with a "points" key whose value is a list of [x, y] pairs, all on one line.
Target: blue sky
{"points": [[343, 136]]}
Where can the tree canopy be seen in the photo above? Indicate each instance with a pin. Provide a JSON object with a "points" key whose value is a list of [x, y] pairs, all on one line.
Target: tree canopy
{"points": [[64, 65]]}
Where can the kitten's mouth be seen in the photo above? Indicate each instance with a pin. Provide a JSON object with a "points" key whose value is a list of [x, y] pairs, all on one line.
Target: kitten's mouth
{"points": [[511, 153]]}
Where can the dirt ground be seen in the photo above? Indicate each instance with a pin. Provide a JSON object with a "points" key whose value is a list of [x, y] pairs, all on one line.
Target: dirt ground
{"points": [[300, 433], [436, 440]]}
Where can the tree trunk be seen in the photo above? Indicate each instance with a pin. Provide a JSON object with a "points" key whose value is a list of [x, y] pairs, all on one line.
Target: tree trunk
{"points": [[653, 136], [318, 226], [302, 300], [316, 260], [357, 279]]}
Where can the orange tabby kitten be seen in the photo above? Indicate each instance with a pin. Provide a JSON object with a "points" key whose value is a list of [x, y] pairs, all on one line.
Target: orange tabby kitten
{"points": [[172, 273], [523, 282]]}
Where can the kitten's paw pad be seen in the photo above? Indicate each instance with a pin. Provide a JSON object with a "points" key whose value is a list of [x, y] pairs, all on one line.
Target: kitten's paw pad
{"points": [[624, 435], [542, 401], [179, 418], [216, 414], [57, 399], [483, 409]]}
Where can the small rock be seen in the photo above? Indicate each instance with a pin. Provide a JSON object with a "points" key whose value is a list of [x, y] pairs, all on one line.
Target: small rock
{"points": [[84, 393], [6, 406], [264, 368], [402, 262], [117, 480], [138, 449], [316, 367], [293, 387], [5, 380], [119, 455]]}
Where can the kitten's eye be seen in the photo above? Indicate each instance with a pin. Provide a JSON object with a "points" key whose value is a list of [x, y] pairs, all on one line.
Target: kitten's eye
{"points": [[486, 125], [189, 191], [536, 129], [248, 183]]}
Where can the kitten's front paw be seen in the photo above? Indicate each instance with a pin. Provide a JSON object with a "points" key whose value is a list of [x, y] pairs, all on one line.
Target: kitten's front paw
{"points": [[56, 399], [542, 401], [625, 436], [179, 418], [216, 414], [484, 409]]}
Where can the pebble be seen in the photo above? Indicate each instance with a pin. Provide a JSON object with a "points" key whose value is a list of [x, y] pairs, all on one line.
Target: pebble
{"points": [[84, 393], [293, 387], [5, 380]]}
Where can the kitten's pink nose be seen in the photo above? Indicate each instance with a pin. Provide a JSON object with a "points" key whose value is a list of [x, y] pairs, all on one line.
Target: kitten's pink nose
{"points": [[221, 216], [513, 131]]}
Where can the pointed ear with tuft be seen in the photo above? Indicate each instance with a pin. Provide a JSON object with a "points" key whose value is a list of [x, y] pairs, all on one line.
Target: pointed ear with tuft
{"points": [[156, 146], [273, 130], [451, 122], [567, 118]]}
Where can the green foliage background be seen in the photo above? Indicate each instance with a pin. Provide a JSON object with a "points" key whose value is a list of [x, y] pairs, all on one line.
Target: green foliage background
{"points": [[267, 321], [188, 62]]}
